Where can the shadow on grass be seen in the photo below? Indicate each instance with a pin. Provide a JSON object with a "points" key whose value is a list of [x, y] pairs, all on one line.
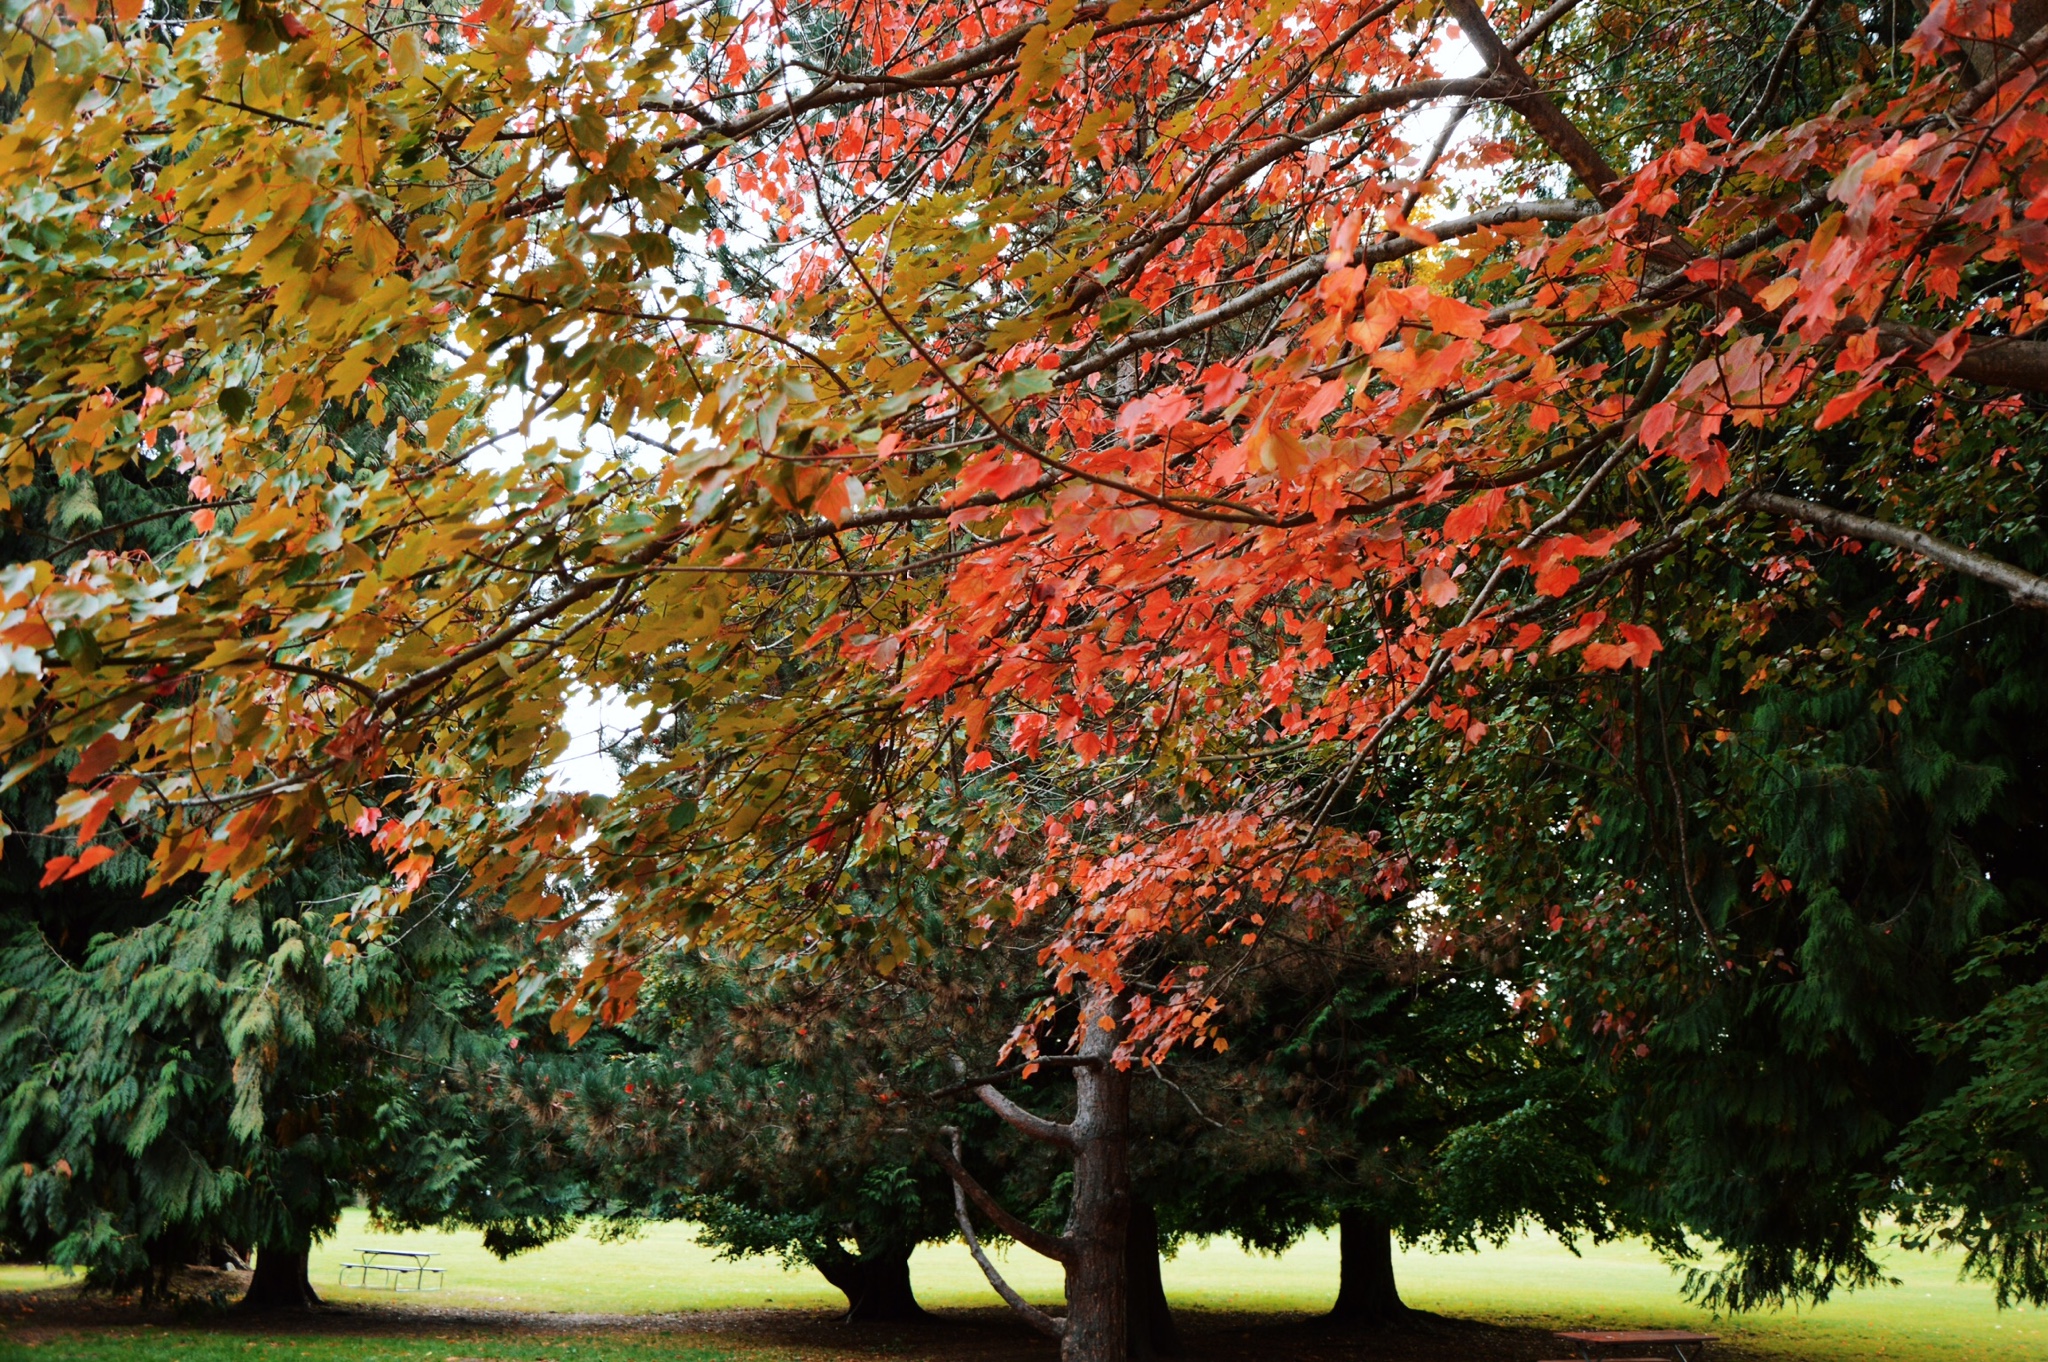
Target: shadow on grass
{"points": [[787, 1335]]}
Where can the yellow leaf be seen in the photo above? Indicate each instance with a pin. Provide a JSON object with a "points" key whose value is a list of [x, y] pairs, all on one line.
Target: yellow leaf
{"points": [[1778, 291], [405, 55], [487, 128]]}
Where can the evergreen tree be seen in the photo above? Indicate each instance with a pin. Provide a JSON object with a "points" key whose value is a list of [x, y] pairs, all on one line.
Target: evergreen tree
{"points": [[1783, 891], [196, 1073]]}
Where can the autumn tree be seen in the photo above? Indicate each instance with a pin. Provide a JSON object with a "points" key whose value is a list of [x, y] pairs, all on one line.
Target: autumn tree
{"points": [[1125, 438]]}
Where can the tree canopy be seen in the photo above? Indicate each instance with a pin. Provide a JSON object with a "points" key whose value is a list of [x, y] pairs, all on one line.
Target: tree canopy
{"points": [[1166, 474]]}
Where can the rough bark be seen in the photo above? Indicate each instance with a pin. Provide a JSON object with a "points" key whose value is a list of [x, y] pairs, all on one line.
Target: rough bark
{"points": [[1098, 1311], [279, 1281], [1096, 1327], [1989, 60], [1152, 1330], [876, 1284], [1995, 361], [1366, 1293]]}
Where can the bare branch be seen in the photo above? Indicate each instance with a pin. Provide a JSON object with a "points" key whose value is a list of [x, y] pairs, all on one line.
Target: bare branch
{"points": [[2024, 587], [1558, 132], [1038, 1241], [1014, 1071], [1032, 1315], [1030, 1122]]}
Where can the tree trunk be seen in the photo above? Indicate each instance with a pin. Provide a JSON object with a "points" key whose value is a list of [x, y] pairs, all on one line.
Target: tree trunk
{"points": [[1152, 1330], [1097, 1324], [877, 1285], [279, 1281], [1366, 1293], [1097, 1328]]}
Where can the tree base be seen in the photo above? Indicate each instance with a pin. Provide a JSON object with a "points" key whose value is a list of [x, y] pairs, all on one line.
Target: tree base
{"points": [[1367, 1297], [279, 1282], [877, 1287], [1153, 1333], [1383, 1317]]}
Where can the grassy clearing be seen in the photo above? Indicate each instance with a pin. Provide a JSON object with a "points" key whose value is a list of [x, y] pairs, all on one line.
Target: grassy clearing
{"points": [[166, 1345], [1930, 1317]]}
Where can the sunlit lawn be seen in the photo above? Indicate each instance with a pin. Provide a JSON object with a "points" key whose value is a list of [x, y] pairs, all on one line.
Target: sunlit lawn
{"points": [[1930, 1316]]}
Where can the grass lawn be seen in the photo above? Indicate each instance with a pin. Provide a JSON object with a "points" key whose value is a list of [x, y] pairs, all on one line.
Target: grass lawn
{"points": [[170, 1345], [1930, 1317]]}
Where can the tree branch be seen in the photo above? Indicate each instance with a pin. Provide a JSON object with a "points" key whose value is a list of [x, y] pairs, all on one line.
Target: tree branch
{"points": [[1558, 132], [1030, 1122], [1984, 91], [2025, 588], [1998, 361], [1032, 1315], [1786, 51], [1038, 1241], [1015, 1070], [1293, 277], [1372, 102]]}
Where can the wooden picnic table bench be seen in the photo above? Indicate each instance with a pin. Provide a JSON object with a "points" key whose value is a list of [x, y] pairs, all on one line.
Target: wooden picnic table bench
{"points": [[1685, 1346], [394, 1266]]}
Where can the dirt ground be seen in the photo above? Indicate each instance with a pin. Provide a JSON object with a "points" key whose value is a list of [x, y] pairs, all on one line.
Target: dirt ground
{"points": [[951, 1335]]}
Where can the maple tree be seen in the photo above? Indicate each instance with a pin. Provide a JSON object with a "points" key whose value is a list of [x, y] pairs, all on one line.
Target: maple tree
{"points": [[1054, 449]]}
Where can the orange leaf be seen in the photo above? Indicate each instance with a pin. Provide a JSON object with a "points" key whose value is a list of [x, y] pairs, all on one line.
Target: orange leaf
{"points": [[1578, 633], [1642, 642], [842, 499], [1467, 522], [95, 759], [93, 855]]}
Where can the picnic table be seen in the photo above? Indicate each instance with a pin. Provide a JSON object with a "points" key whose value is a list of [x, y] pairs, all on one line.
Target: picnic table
{"points": [[1684, 1346], [393, 1267]]}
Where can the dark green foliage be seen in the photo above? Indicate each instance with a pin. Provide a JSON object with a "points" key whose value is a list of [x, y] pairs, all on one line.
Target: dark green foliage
{"points": [[782, 1115], [210, 1077], [1374, 1075], [191, 1073], [1974, 1167], [1757, 882]]}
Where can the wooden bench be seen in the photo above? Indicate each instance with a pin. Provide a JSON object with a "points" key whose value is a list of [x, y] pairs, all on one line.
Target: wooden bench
{"points": [[393, 1267]]}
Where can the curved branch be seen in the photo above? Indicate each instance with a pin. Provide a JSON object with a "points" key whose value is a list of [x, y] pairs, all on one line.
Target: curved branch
{"points": [[2024, 587], [1030, 1122], [1031, 1314], [1038, 1241]]}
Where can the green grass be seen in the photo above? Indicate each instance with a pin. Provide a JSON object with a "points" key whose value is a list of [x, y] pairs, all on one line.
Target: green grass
{"points": [[1930, 1317], [171, 1345]]}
